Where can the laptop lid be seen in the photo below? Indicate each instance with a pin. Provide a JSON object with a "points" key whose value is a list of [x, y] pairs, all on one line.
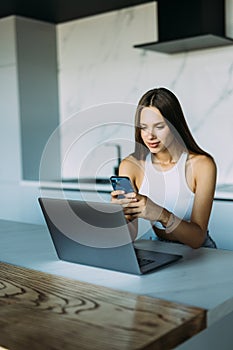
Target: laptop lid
{"points": [[95, 234]]}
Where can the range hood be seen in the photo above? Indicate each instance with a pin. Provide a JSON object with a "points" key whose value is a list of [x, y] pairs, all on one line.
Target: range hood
{"points": [[185, 25]]}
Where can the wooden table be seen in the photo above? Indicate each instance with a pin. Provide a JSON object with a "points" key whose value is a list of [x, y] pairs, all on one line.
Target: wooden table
{"points": [[43, 311]]}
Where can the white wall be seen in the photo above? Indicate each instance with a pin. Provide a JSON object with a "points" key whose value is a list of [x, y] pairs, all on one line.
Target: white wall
{"points": [[99, 66]]}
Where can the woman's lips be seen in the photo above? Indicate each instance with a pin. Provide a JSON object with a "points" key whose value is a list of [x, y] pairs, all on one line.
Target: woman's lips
{"points": [[153, 144]]}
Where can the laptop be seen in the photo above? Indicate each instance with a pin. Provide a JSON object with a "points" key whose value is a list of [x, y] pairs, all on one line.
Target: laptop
{"points": [[96, 234]]}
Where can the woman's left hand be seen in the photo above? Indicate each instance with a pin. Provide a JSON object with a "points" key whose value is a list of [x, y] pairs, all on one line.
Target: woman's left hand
{"points": [[143, 208]]}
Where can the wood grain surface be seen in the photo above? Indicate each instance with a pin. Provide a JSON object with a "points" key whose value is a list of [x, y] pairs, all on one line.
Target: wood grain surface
{"points": [[44, 311]]}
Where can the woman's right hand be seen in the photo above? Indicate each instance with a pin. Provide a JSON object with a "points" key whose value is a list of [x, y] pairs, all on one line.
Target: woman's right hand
{"points": [[128, 197], [124, 201]]}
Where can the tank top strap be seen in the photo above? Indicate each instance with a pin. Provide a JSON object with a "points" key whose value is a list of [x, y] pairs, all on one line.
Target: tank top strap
{"points": [[183, 158], [181, 166]]}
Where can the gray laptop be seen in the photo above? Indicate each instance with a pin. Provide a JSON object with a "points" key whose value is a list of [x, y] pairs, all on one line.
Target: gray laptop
{"points": [[96, 234]]}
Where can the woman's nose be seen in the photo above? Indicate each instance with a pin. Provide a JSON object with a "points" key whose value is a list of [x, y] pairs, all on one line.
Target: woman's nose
{"points": [[151, 133]]}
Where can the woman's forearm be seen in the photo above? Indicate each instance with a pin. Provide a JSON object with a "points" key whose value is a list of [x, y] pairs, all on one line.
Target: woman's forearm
{"points": [[175, 229]]}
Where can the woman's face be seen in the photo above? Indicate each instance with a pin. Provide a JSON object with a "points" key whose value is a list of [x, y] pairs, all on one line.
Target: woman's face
{"points": [[155, 131]]}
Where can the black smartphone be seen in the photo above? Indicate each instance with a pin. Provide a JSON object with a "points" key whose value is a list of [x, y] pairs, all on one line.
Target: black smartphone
{"points": [[122, 183]]}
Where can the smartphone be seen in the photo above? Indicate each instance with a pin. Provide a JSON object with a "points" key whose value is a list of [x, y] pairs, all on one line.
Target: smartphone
{"points": [[122, 183]]}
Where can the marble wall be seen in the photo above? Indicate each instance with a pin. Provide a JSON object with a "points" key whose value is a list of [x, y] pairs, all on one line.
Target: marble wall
{"points": [[102, 77]]}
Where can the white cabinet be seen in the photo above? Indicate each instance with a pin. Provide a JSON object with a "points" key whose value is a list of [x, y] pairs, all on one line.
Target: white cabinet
{"points": [[221, 223], [79, 195]]}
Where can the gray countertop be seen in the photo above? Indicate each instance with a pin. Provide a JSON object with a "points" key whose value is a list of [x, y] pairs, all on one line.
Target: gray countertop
{"points": [[203, 278]]}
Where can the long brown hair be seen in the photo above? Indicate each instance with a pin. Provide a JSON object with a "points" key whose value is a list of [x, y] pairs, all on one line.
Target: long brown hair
{"points": [[169, 106]]}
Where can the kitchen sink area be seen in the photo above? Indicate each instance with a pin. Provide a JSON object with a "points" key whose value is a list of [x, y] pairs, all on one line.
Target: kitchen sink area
{"points": [[224, 191], [225, 187], [88, 180], [89, 184]]}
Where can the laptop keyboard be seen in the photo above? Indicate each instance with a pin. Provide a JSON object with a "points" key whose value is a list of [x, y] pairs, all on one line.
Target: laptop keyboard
{"points": [[143, 257], [144, 261], [146, 257]]}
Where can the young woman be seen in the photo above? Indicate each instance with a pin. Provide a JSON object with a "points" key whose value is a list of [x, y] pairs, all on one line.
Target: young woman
{"points": [[174, 179]]}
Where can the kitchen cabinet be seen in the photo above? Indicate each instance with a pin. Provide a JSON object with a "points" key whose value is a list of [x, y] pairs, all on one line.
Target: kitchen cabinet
{"points": [[78, 195], [221, 223]]}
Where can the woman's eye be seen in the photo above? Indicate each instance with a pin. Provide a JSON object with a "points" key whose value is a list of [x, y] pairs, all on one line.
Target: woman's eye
{"points": [[147, 129]]}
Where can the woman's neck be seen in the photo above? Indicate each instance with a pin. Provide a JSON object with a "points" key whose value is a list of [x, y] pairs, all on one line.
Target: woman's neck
{"points": [[167, 157]]}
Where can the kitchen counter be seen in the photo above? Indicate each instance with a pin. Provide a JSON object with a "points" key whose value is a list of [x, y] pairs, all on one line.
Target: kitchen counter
{"points": [[223, 191], [203, 278], [86, 186]]}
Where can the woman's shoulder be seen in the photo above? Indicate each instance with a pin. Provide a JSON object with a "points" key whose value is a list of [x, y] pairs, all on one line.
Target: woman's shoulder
{"points": [[200, 158], [202, 170], [132, 161], [201, 162], [131, 165]]}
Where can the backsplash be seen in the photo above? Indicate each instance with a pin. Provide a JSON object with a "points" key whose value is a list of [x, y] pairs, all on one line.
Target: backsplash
{"points": [[102, 77]]}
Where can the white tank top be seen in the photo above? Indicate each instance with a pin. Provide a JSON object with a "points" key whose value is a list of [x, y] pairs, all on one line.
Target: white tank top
{"points": [[169, 189]]}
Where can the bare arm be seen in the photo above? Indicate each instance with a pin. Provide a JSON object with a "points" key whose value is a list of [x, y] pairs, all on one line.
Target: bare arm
{"points": [[191, 233], [205, 181]]}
